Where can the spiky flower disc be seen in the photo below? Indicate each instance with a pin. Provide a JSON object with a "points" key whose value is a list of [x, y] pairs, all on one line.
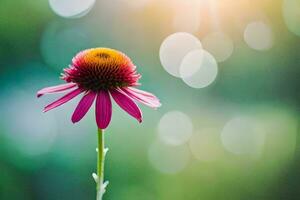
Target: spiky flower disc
{"points": [[101, 69], [100, 73]]}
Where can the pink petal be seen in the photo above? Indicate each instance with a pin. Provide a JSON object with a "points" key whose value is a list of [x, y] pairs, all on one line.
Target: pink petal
{"points": [[127, 104], [103, 109], [83, 106], [54, 89], [63, 99], [152, 101], [142, 92]]}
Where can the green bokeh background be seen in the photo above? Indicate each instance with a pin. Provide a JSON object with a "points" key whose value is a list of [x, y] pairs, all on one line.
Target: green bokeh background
{"points": [[45, 156]]}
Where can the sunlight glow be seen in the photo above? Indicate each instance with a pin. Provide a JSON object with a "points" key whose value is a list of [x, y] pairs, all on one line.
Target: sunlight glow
{"points": [[186, 17], [136, 4]]}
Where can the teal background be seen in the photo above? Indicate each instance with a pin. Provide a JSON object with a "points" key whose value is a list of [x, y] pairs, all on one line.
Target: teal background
{"points": [[45, 156]]}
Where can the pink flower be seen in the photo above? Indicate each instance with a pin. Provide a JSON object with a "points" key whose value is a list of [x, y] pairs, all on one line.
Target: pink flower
{"points": [[101, 73]]}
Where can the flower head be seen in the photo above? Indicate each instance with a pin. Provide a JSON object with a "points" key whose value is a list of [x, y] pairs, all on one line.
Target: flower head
{"points": [[101, 73]]}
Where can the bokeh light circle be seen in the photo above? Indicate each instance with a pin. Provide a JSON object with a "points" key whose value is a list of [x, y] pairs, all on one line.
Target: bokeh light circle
{"points": [[291, 15], [205, 145], [28, 129], [174, 48], [198, 69], [175, 128], [168, 159], [258, 35], [243, 136], [71, 8], [60, 42], [219, 45]]}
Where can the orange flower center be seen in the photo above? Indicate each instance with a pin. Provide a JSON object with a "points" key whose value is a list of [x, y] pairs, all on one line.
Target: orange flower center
{"points": [[101, 69]]}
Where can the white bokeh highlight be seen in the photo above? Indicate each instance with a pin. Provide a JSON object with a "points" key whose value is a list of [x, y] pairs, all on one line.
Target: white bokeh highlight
{"points": [[168, 159], [243, 136], [291, 15], [174, 48], [258, 35], [219, 45], [198, 69], [71, 8], [175, 128]]}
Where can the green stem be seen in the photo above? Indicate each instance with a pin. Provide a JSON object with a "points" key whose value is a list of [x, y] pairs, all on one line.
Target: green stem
{"points": [[100, 165]]}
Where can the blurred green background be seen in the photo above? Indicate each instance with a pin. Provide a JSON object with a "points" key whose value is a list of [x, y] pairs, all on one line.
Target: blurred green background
{"points": [[236, 139]]}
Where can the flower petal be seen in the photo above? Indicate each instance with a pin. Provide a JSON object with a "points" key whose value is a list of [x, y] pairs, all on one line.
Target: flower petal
{"points": [[147, 94], [83, 106], [127, 104], [54, 89], [103, 109], [152, 101], [63, 99]]}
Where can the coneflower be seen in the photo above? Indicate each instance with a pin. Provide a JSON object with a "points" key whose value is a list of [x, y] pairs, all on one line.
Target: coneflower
{"points": [[101, 73]]}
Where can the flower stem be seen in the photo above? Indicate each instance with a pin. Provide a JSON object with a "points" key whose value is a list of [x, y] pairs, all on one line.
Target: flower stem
{"points": [[100, 188]]}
